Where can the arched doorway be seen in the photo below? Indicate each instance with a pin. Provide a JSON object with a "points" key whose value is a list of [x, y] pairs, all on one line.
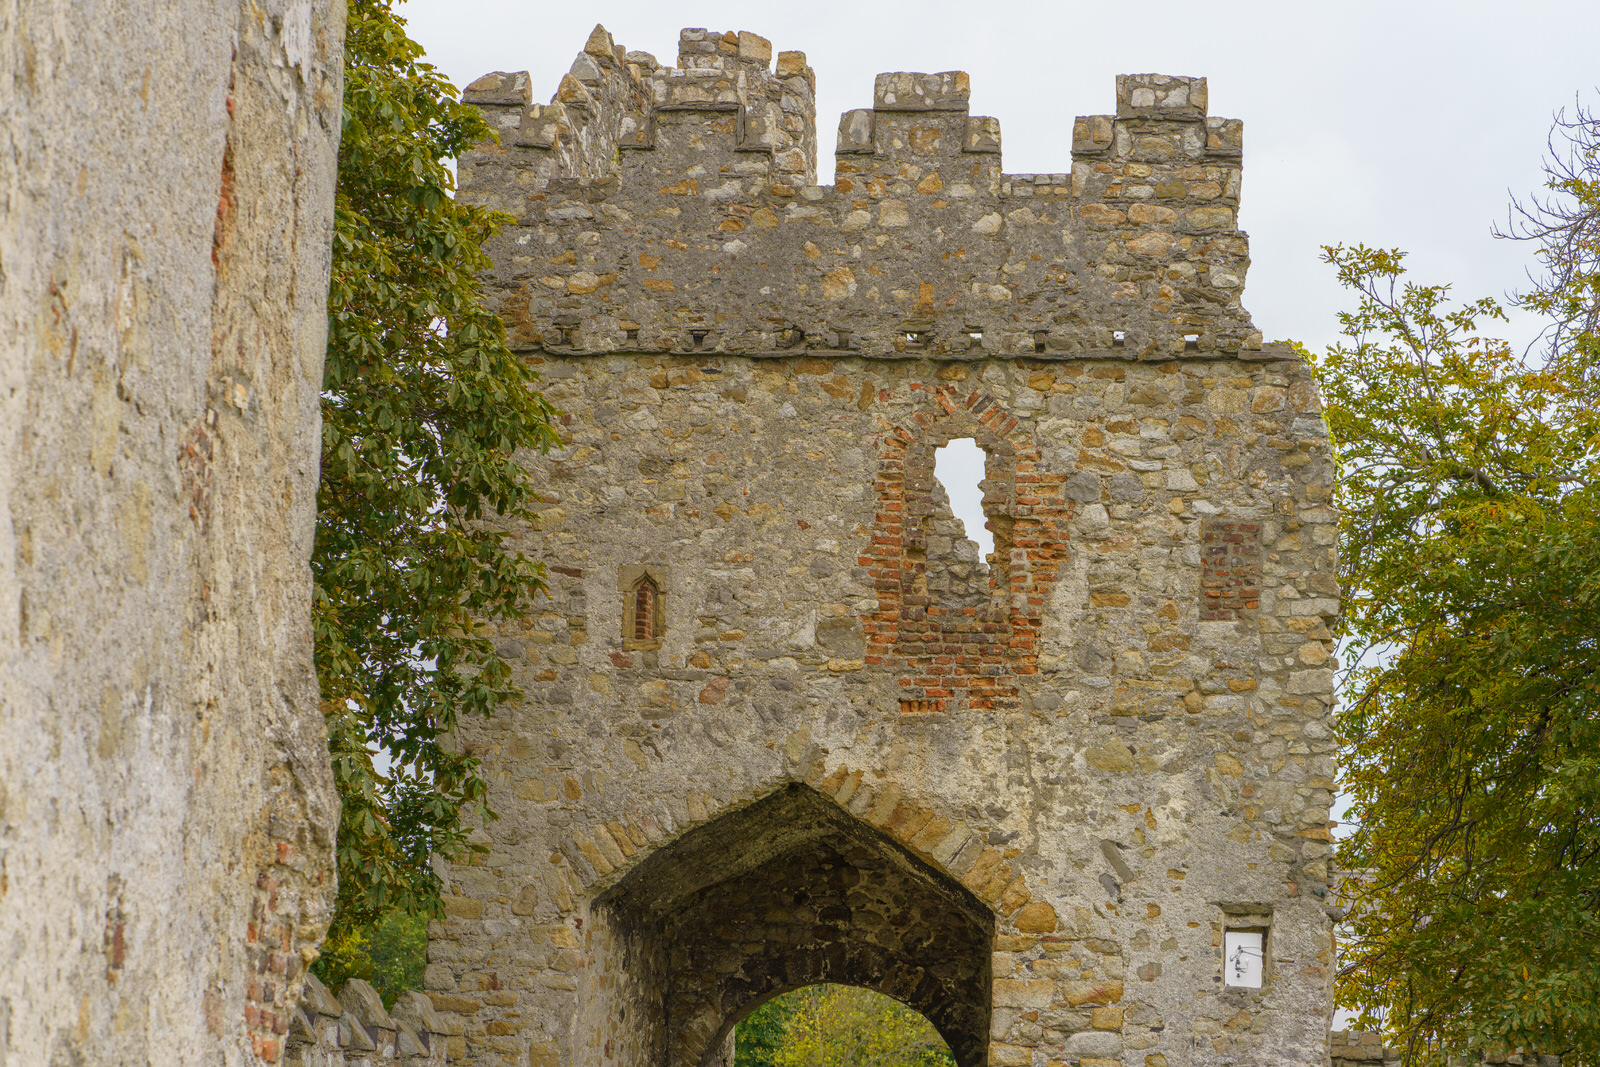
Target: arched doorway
{"points": [[784, 893]]}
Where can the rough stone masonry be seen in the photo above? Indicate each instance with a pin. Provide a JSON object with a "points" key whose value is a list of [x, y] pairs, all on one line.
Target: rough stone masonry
{"points": [[783, 725], [166, 803]]}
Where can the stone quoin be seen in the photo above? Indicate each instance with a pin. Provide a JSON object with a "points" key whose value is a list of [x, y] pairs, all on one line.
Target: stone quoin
{"points": [[783, 725]]}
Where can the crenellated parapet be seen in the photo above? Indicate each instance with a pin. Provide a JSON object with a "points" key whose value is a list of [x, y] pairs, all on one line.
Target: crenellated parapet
{"points": [[674, 209], [721, 101]]}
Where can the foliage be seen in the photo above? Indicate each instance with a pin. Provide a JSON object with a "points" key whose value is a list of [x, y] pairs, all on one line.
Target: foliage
{"points": [[761, 1034], [1470, 553], [423, 406], [390, 953], [838, 1026]]}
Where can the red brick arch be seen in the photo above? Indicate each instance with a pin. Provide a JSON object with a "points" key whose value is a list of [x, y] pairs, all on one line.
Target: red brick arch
{"points": [[947, 658]]}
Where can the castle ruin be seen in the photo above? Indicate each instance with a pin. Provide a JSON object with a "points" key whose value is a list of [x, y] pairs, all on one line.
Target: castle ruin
{"points": [[783, 724]]}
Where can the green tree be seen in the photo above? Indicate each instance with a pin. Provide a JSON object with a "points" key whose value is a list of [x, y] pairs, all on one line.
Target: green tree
{"points": [[1470, 554], [423, 407], [838, 1026], [760, 1035], [390, 952]]}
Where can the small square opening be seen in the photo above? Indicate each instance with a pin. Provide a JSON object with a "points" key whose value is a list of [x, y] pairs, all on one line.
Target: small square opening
{"points": [[1118, 338]]}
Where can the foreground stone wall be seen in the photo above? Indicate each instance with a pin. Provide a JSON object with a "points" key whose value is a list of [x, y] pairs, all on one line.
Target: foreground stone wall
{"points": [[166, 806], [355, 1029], [1357, 1048], [778, 731]]}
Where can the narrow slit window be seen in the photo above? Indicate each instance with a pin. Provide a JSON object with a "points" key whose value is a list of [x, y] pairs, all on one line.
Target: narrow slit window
{"points": [[1039, 340], [644, 612], [644, 620]]}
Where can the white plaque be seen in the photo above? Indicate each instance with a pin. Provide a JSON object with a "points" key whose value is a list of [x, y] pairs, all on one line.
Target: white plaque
{"points": [[1242, 958]]}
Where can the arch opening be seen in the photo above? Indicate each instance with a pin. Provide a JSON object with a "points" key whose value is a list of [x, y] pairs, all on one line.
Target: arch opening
{"points": [[785, 893], [838, 1024]]}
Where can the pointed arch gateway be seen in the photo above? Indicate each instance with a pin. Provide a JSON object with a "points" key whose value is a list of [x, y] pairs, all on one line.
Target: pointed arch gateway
{"points": [[783, 893]]}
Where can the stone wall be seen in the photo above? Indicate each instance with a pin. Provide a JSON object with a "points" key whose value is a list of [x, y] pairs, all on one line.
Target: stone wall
{"points": [[923, 245], [1356, 1048], [1032, 809], [355, 1029], [166, 806]]}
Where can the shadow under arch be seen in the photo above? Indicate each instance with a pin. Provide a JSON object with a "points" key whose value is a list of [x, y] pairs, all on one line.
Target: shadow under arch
{"points": [[780, 894]]}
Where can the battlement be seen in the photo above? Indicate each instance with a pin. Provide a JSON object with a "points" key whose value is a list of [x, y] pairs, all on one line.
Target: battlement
{"points": [[922, 244], [722, 98]]}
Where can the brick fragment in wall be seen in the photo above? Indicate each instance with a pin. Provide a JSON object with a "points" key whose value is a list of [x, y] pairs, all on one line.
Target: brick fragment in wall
{"points": [[1025, 793], [1230, 575]]}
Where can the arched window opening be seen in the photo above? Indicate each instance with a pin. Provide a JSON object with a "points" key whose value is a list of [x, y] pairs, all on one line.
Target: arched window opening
{"points": [[958, 546], [644, 617], [644, 610], [959, 468], [838, 1024]]}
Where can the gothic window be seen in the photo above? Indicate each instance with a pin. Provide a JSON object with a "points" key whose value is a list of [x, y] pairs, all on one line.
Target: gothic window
{"points": [[644, 618], [644, 610]]}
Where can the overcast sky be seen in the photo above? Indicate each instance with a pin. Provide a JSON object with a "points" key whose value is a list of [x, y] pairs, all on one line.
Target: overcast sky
{"points": [[1406, 123]]}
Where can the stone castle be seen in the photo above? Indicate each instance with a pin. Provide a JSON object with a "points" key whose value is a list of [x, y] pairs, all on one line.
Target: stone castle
{"points": [[784, 725]]}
